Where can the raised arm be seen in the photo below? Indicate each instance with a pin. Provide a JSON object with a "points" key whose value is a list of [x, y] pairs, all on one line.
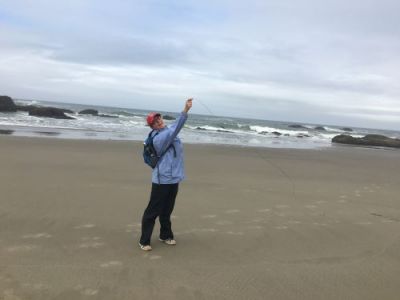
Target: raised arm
{"points": [[176, 127]]}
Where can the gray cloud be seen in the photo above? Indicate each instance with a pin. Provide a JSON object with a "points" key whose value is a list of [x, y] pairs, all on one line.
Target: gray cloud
{"points": [[121, 51], [303, 60]]}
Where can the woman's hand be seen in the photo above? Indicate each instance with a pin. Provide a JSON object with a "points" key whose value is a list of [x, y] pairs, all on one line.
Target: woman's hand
{"points": [[188, 105]]}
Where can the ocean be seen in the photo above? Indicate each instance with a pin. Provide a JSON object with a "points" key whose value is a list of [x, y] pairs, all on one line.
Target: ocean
{"points": [[130, 124]]}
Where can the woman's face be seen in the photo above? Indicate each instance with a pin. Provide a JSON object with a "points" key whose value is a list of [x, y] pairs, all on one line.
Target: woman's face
{"points": [[158, 123]]}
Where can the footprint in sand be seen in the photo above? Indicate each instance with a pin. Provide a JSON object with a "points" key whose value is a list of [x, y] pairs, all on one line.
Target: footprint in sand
{"points": [[207, 230], [185, 232], [282, 206], [249, 190], [90, 245], [319, 224], [35, 286], [387, 221], [321, 202], [224, 222], [86, 238], [137, 227], [111, 264], [368, 189], [255, 227], [37, 236], [281, 227], [363, 223], [342, 201], [196, 230], [258, 220], [264, 210], [235, 233], [22, 248], [209, 216], [280, 214], [85, 226], [232, 211], [89, 292], [152, 256], [294, 222], [311, 206], [378, 187], [91, 242]]}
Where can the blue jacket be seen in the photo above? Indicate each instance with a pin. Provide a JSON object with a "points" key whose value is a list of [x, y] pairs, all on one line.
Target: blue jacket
{"points": [[170, 168]]}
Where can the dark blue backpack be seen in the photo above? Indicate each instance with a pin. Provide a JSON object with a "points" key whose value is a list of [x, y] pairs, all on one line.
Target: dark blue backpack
{"points": [[149, 151]]}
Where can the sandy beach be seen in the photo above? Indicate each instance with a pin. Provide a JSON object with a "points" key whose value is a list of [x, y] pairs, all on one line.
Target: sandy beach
{"points": [[250, 223]]}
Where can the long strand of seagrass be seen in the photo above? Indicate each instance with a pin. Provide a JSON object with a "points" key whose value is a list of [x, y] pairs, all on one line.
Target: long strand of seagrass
{"points": [[275, 166]]}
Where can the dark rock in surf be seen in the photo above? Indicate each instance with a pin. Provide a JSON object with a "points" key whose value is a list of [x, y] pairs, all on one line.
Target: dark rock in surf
{"points": [[347, 129], [49, 133], [368, 140], [92, 112], [107, 116], [226, 131], [6, 131], [167, 117], [67, 111], [7, 104], [320, 128], [49, 112], [276, 133], [29, 108], [297, 126]]}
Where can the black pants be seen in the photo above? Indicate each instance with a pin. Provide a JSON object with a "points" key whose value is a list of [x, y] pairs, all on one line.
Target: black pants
{"points": [[161, 204]]}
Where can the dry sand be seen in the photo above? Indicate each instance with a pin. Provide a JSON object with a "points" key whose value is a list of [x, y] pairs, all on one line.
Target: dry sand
{"points": [[250, 223]]}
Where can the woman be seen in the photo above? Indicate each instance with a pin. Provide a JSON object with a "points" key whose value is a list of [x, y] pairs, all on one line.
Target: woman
{"points": [[165, 178]]}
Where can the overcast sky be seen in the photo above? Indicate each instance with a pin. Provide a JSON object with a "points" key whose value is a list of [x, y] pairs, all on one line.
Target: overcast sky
{"points": [[313, 61]]}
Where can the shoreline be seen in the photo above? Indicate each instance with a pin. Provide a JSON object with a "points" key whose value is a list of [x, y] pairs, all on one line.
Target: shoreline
{"points": [[200, 129], [77, 134], [45, 135], [103, 135], [250, 223]]}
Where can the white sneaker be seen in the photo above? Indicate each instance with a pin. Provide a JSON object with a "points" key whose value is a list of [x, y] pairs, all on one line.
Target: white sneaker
{"points": [[168, 241], [145, 247]]}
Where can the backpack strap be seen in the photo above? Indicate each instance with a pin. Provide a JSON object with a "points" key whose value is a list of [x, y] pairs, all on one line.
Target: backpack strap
{"points": [[151, 132]]}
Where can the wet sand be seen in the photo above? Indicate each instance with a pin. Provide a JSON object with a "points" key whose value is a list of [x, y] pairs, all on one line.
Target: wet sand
{"points": [[250, 223]]}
